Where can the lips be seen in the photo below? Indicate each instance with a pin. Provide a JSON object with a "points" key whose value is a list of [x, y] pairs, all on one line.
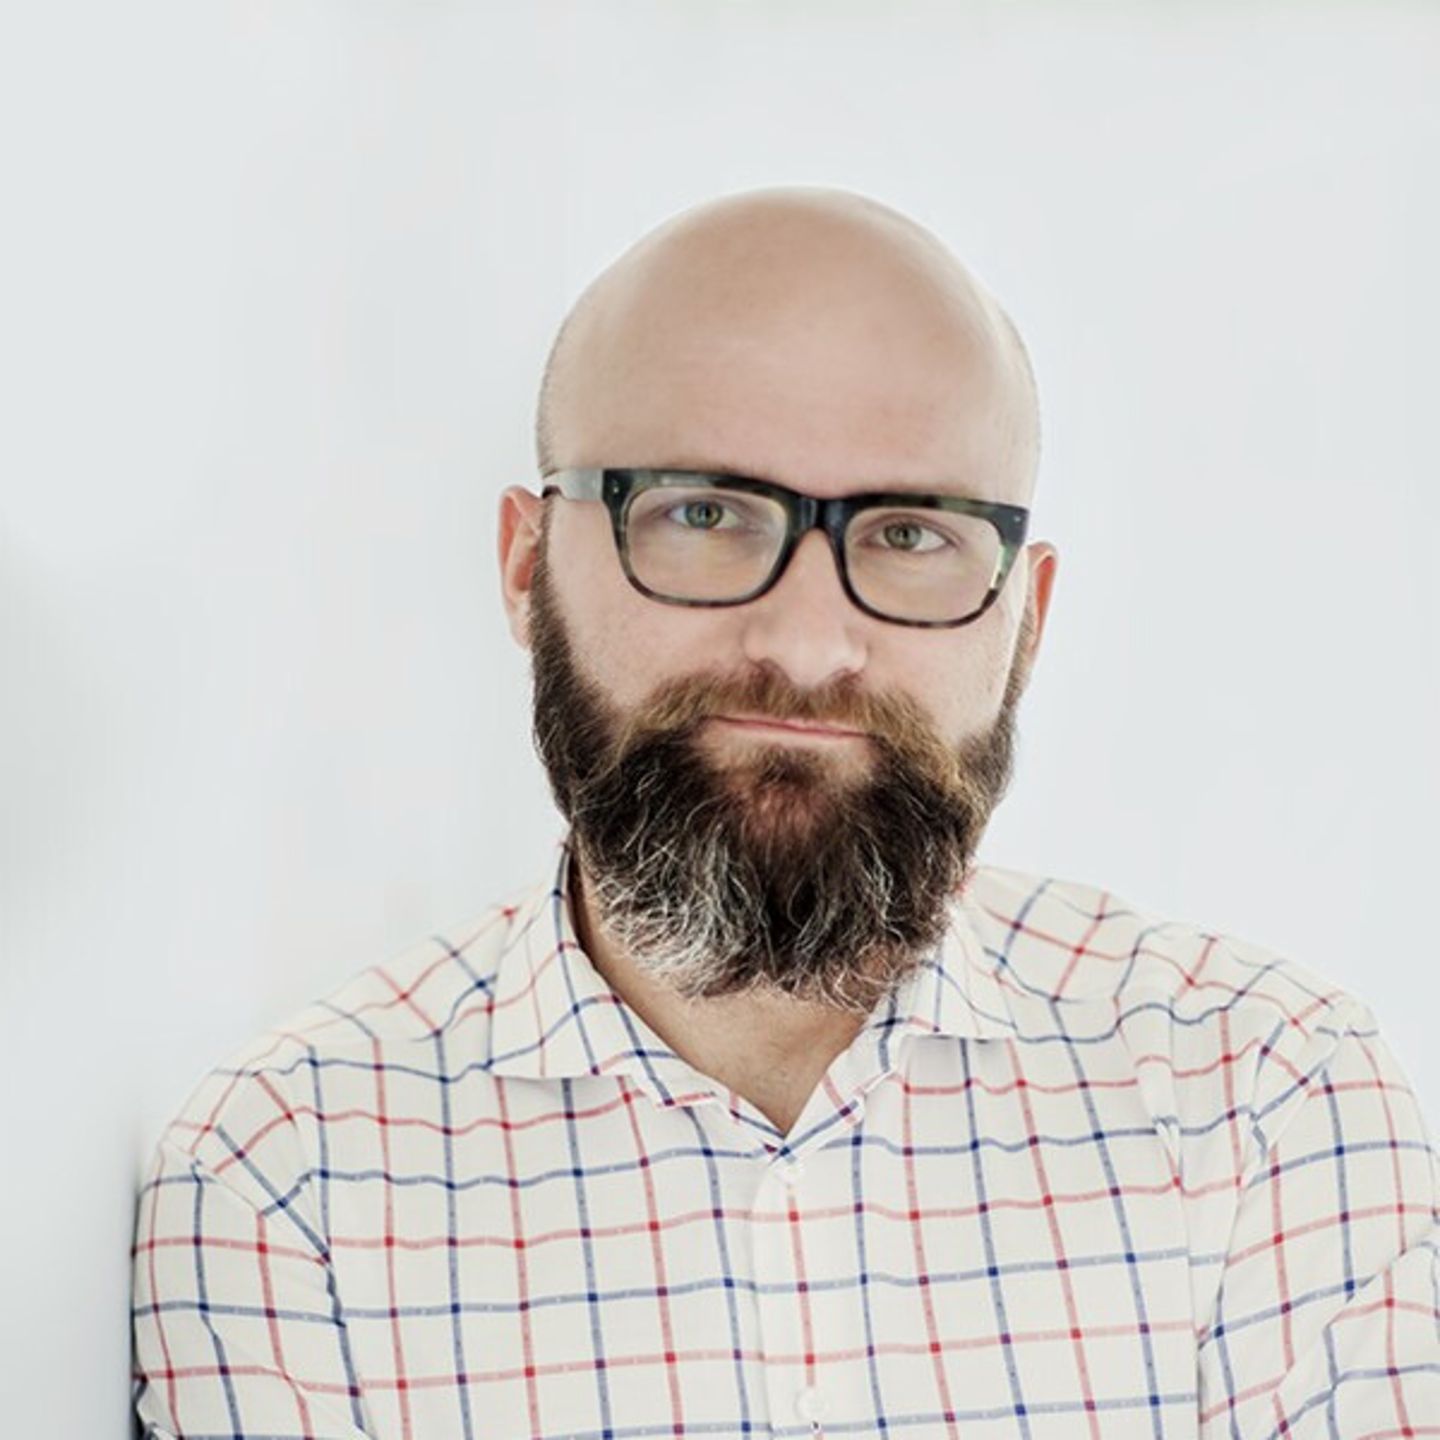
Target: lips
{"points": [[791, 727]]}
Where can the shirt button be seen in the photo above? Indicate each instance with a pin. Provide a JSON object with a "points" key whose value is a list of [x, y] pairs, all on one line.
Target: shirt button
{"points": [[810, 1404], [792, 1175]]}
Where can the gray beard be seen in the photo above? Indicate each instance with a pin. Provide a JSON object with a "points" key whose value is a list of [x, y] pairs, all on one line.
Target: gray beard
{"points": [[769, 873]]}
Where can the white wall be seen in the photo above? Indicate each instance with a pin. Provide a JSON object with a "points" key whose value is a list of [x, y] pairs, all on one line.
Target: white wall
{"points": [[277, 280]]}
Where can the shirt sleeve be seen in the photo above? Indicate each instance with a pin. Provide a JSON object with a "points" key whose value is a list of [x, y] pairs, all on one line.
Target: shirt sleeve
{"points": [[237, 1331], [1327, 1317]]}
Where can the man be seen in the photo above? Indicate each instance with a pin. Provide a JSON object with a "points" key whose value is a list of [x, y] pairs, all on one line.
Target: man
{"points": [[771, 1111]]}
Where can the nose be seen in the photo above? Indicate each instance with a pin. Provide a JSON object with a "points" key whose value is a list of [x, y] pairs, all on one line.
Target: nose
{"points": [[805, 625]]}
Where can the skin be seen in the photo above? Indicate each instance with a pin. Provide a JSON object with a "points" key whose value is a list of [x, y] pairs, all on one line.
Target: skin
{"points": [[817, 339]]}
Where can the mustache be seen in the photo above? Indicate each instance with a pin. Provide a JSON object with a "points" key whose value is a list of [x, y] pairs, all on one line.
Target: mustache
{"points": [[685, 702], [678, 708]]}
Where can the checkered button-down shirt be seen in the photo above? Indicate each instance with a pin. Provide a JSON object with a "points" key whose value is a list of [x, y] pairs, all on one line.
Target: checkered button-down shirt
{"points": [[1085, 1174]]}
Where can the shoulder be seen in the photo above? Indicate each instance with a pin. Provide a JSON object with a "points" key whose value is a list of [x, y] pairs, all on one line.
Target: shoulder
{"points": [[397, 1016], [1216, 1030], [1073, 942], [1079, 958]]}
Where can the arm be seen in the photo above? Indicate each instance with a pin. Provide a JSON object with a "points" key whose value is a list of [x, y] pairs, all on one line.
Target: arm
{"points": [[237, 1329], [1326, 1324]]}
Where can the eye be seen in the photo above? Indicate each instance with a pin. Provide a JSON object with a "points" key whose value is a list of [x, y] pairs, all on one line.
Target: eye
{"points": [[704, 514], [908, 536]]}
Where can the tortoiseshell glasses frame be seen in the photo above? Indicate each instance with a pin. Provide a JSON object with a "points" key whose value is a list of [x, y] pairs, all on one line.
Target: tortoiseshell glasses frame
{"points": [[617, 488]]}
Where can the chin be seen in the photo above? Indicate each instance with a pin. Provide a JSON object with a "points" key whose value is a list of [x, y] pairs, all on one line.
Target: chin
{"points": [[785, 796]]}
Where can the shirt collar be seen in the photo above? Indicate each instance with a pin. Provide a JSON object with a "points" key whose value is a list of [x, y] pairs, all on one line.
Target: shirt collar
{"points": [[554, 1015], [956, 990]]}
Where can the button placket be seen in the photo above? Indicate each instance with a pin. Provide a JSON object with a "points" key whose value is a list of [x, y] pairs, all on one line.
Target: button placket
{"points": [[780, 1308]]}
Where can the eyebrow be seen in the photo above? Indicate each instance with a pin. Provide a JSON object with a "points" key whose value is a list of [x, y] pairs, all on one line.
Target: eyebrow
{"points": [[705, 467], [875, 485]]}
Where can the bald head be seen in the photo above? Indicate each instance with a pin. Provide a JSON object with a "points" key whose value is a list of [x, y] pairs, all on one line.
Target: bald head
{"points": [[810, 335]]}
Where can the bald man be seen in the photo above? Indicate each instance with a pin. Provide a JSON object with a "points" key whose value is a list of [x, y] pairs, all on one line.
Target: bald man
{"points": [[770, 1110]]}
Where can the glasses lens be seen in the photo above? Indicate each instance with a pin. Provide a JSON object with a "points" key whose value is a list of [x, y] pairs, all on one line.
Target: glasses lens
{"points": [[702, 542], [922, 564]]}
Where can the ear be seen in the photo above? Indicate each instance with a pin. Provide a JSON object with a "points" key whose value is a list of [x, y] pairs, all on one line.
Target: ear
{"points": [[520, 514], [1043, 560]]}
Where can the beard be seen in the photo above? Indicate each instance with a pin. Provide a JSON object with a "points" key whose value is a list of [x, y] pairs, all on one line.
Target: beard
{"points": [[777, 871]]}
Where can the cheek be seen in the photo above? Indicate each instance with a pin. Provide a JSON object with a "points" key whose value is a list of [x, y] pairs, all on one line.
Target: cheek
{"points": [[958, 677], [627, 643]]}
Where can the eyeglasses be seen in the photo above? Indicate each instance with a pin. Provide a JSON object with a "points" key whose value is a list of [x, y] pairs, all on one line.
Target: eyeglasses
{"points": [[689, 537]]}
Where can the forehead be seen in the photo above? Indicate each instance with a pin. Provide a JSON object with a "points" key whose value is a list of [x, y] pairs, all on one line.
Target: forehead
{"points": [[825, 423], [830, 378]]}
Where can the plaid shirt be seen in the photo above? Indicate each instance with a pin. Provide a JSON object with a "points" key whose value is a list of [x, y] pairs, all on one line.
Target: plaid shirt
{"points": [[1085, 1174]]}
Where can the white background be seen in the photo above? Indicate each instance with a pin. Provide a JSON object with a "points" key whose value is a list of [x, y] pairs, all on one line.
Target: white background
{"points": [[277, 282]]}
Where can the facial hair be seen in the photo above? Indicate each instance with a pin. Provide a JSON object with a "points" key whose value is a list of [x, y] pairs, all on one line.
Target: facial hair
{"points": [[771, 871]]}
